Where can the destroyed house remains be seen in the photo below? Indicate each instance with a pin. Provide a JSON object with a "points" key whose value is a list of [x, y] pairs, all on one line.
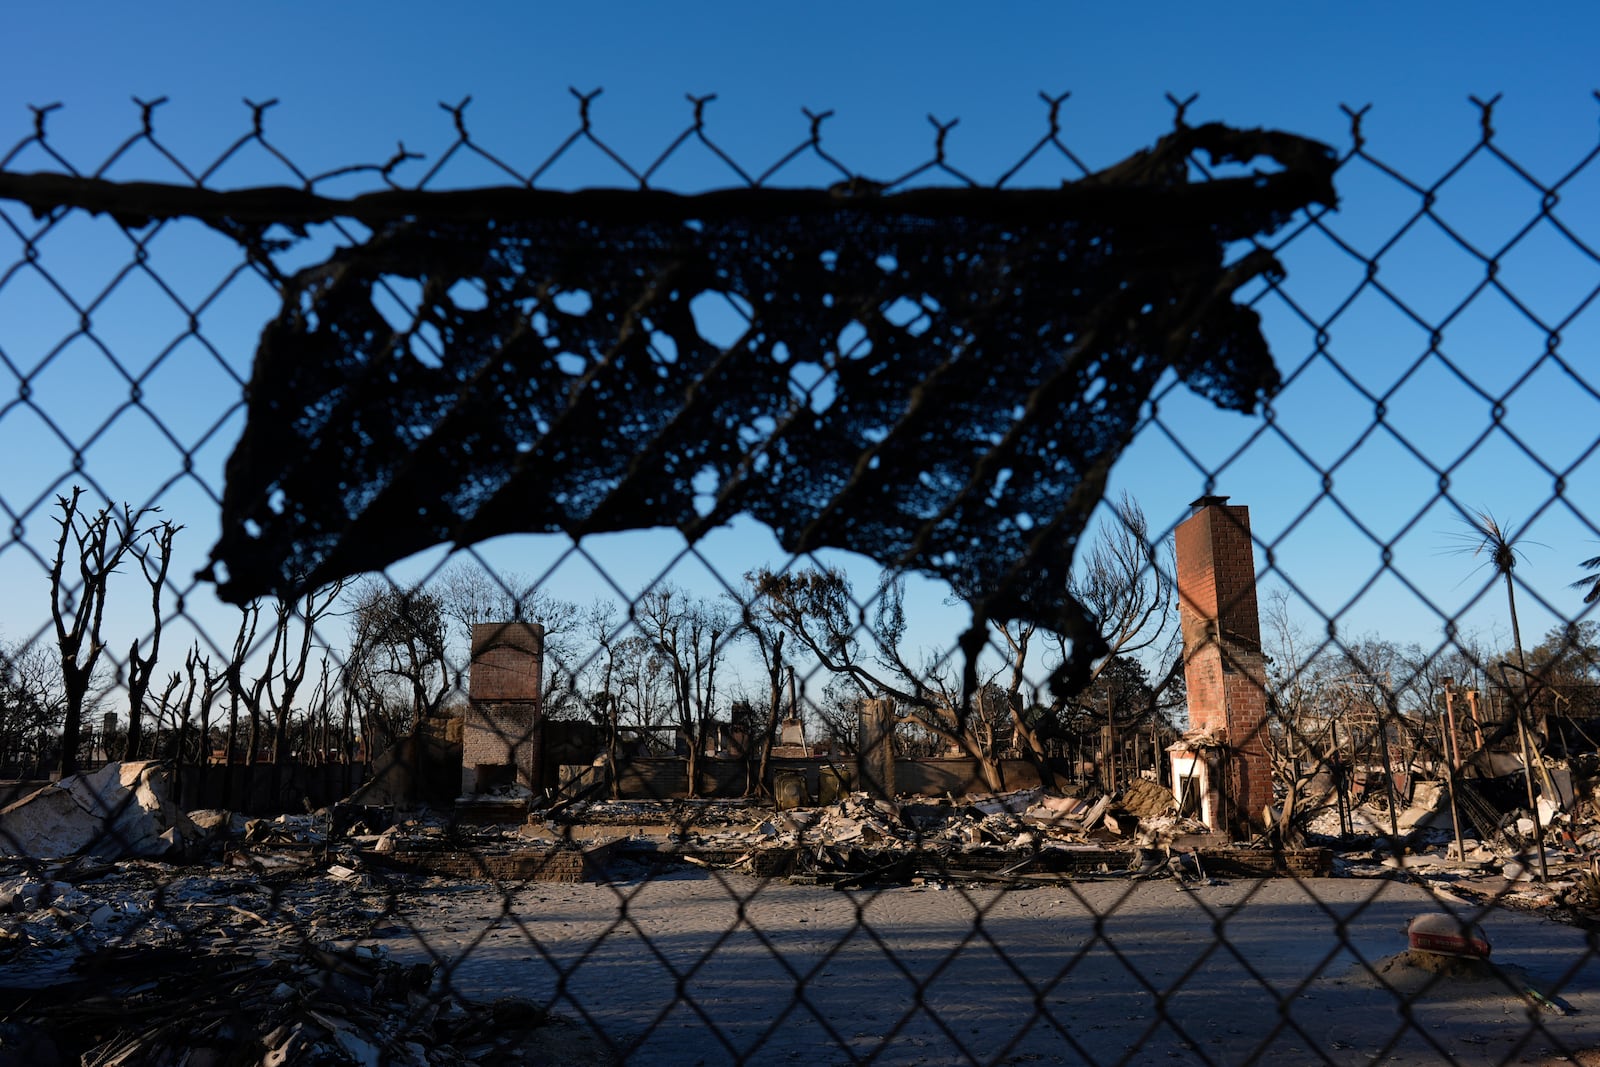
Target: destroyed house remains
{"points": [[466, 774]]}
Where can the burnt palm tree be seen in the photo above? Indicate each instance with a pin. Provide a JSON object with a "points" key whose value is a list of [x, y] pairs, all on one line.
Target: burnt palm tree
{"points": [[1591, 581], [1486, 535]]}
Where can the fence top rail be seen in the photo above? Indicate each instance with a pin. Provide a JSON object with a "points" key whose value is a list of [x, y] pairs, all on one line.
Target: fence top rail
{"points": [[1152, 180]]}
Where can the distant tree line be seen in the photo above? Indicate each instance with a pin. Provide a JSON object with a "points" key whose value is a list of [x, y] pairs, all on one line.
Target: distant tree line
{"points": [[342, 672]]}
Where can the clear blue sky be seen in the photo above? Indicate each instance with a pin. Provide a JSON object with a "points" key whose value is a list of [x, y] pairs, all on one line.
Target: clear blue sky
{"points": [[354, 79]]}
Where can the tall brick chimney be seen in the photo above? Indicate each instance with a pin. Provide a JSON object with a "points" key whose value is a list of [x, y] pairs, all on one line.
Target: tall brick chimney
{"points": [[1223, 764], [501, 735]]}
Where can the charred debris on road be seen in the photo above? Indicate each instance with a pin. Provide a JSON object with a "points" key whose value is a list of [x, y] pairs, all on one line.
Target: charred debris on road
{"points": [[131, 929]]}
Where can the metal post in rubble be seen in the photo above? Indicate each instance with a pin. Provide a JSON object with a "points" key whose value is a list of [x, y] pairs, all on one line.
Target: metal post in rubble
{"points": [[1110, 746], [1155, 756], [1452, 755], [1527, 774], [1339, 781], [1472, 708], [1388, 773]]}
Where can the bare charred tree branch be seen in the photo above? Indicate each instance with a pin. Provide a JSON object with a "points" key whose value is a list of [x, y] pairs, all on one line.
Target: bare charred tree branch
{"points": [[99, 541], [141, 668]]}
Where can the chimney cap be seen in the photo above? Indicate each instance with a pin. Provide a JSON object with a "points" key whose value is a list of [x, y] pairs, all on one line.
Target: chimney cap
{"points": [[1207, 501]]}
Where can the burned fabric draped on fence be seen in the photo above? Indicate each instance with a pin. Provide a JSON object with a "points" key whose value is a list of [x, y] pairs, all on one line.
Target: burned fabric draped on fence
{"points": [[939, 379]]}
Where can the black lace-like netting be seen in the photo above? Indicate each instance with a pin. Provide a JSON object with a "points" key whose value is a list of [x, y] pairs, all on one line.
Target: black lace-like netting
{"points": [[940, 380]]}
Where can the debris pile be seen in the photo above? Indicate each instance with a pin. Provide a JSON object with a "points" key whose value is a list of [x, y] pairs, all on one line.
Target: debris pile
{"points": [[1486, 847], [142, 962], [862, 839], [161, 931], [54, 916], [1015, 820], [121, 810], [328, 1003]]}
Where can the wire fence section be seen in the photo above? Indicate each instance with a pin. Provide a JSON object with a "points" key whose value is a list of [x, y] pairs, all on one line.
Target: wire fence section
{"points": [[680, 610]]}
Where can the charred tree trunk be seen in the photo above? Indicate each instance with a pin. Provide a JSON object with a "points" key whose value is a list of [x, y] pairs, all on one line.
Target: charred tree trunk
{"points": [[142, 668], [78, 609], [774, 707]]}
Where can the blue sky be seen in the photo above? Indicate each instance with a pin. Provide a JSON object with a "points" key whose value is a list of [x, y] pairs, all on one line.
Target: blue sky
{"points": [[355, 79]]}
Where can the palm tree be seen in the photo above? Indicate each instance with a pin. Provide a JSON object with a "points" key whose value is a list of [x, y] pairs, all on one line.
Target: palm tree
{"points": [[1500, 541], [1590, 581]]}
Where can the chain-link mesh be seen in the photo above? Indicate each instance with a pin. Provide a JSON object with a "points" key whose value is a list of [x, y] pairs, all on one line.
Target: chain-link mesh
{"points": [[610, 793]]}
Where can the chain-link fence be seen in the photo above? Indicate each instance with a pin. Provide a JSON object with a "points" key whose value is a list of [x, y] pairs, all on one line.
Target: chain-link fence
{"points": [[747, 613]]}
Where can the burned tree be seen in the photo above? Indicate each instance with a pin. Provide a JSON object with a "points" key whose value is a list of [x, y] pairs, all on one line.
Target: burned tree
{"points": [[819, 610], [399, 666], [202, 686], [294, 638], [1126, 584], [267, 683], [627, 682], [1128, 590], [314, 740], [154, 558], [248, 694], [601, 698], [761, 628], [1501, 542], [98, 544], [640, 686], [32, 703], [691, 637]]}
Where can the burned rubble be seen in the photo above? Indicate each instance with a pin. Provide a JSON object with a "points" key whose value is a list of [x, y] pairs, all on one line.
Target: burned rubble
{"points": [[102, 946], [1006, 837], [1043, 834], [236, 942]]}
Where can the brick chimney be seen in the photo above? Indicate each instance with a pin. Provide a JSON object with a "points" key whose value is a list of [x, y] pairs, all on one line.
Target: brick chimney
{"points": [[501, 735], [1223, 765]]}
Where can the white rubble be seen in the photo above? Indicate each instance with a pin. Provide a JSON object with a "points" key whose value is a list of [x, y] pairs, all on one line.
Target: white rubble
{"points": [[121, 810]]}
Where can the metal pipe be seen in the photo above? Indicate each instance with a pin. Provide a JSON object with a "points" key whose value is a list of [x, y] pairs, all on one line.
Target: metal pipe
{"points": [[1452, 762], [1388, 778]]}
